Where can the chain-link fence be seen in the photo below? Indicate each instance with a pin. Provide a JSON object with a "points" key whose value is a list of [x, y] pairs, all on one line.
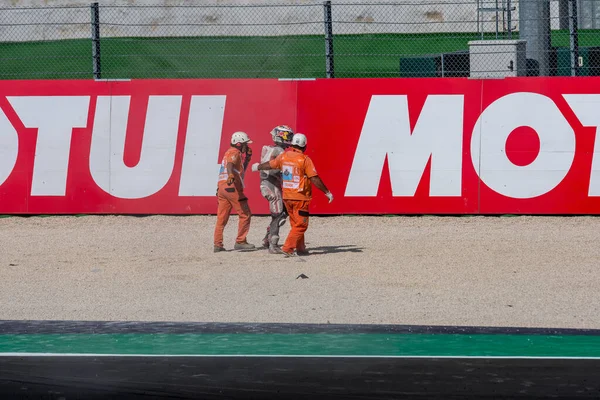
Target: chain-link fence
{"points": [[410, 38]]}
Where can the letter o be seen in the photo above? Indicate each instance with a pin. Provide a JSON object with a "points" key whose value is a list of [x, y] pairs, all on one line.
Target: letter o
{"points": [[488, 145]]}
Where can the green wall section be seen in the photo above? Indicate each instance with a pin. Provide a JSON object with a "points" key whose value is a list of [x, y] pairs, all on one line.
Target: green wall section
{"points": [[369, 344], [365, 55]]}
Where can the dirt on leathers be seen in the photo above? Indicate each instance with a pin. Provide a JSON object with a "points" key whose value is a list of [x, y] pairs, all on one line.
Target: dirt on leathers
{"points": [[519, 271]]}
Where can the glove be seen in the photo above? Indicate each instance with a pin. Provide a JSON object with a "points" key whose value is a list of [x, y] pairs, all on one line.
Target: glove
{"points": [[230, 179], [255, 167], [329, 196], [249, 152]]}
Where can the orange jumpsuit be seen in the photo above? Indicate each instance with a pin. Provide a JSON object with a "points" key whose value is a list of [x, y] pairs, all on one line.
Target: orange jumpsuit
{"points": [[296, 171], [232, 196]]}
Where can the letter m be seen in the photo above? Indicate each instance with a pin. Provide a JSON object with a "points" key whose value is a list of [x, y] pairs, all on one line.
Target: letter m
{"points": [[438, 134]]}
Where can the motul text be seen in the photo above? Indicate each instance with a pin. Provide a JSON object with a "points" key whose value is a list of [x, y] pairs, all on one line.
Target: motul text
{"points": [[447, 146]]}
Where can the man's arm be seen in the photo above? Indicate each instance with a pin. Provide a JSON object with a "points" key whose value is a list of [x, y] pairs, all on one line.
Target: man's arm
{"points": [[316, 180], [231, 178], [311, 173], [247, 159], [262, 167], [273, 171], [230, 174]]}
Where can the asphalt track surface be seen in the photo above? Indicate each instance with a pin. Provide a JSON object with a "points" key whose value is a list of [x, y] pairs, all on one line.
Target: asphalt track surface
{"points": [[97, 360]]}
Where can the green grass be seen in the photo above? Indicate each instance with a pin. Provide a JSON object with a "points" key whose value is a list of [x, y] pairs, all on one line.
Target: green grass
{"points": [[46, 60], [235, 57], [587, 38]]}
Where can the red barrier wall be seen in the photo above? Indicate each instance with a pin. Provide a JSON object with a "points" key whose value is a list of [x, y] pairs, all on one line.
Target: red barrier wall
{"points": [[383, 146]]}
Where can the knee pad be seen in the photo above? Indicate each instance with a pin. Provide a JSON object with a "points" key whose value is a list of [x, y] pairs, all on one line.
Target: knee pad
{"points": [[266, 193]]}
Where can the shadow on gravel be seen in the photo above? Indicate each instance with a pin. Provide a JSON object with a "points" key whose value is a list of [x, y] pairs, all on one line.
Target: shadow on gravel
{"points": [[347, 248]]}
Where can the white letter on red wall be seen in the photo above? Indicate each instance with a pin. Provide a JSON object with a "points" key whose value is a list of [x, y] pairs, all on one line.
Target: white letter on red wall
{"points": [[488, 145], [587, 109], [55, 117], [386, 132], [158, 146], [201, 155], [9, 147]]}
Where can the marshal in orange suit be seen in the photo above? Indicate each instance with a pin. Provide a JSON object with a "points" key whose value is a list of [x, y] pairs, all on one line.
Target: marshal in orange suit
{"points": [[298, 173], [230, 192]]}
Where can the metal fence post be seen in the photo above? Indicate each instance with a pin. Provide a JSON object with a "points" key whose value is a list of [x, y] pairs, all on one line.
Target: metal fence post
{"points": [[509, 18], [328, 40], [573, 38], [563, 14], [96, 41], [534, 27]]}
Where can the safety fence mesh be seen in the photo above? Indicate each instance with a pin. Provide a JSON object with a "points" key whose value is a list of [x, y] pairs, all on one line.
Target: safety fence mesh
{"points": [[308, 39]]}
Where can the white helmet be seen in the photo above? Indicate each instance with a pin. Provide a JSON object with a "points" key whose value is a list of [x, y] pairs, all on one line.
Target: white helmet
{"points": [[240, 137], [299, 140]]}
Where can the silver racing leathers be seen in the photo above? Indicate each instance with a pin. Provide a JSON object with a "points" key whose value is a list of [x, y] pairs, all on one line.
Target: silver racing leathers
{"points": [[270, 188]]}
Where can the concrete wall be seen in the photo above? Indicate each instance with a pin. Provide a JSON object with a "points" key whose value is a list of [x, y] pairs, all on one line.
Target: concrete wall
{"points": [[589, 14], [150, 18]]}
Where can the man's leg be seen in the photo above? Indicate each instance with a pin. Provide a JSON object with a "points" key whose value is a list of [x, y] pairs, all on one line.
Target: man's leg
{"points": [[304, 216], [277, 221], [245, 216], [266, 190], [273, 194], [242, 209], [301, 246], [298, 212], [223, 211], [278, 216], [290, 242]]}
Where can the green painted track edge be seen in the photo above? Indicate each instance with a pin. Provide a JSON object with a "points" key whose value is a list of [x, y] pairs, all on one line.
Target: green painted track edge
{"points": [[312, 344]]}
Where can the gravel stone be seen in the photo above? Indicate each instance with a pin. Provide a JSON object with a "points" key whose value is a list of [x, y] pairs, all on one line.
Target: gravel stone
{"points": [[528, 271]]}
